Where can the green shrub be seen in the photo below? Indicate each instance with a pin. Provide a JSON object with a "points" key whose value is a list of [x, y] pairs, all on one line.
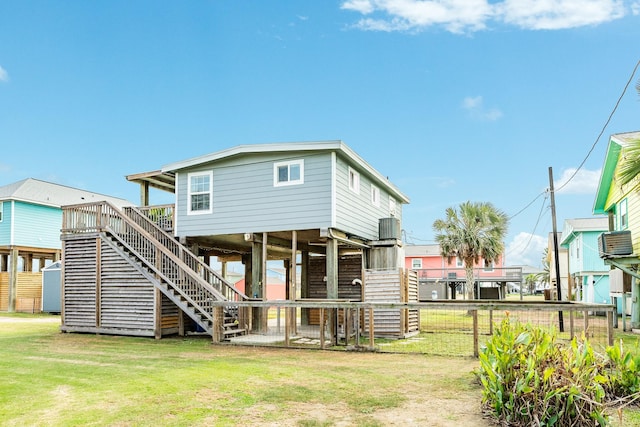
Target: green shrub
{"points": [[528, 378]]}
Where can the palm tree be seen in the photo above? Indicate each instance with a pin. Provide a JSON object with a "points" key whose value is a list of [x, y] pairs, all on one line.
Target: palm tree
{"points": [[530, 281], [545, 275], [471, 232], [630, 163]]}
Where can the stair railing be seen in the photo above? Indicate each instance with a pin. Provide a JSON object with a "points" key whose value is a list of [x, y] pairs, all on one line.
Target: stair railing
{"points": [[104, 217], [230, 292]]}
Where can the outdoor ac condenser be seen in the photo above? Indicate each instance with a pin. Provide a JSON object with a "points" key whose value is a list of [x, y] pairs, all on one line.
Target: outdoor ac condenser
{"points": [[615, 243]]}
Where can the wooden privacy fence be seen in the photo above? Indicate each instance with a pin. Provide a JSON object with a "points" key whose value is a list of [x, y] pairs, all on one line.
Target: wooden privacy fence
{"points": [[28, 292], [446, 327]]}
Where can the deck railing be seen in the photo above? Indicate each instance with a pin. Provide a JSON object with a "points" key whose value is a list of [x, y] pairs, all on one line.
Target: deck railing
{"points": [[159, 251], [161, 215], [451, 274]]}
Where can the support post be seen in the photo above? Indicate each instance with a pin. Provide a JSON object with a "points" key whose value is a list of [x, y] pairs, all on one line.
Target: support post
{"points": [[635, 303], [13, 278], [372, 345]]}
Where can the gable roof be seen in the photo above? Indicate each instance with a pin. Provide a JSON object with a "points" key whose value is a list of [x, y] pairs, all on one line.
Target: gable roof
{"points": [[49, 194], [616, 142], [165, 178], [582, 225]]}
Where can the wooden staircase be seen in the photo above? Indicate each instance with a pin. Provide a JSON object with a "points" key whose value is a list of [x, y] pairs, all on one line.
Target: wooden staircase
{"points": [[172, 268]]}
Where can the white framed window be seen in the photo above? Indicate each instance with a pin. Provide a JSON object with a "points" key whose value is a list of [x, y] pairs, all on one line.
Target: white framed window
{"points": [[459, 262], [288, 173], [488, 265], [392, 206], [624, 215], [354, 181], [375, 196], [200, 192], [1, 211], [416, 263]]}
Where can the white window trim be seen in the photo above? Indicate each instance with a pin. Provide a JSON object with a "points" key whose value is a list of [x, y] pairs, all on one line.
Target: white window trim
{"points": [[375, 196], [209, 174], [392, 206], [1, 211], [489, 267], [459, 262], [415, 261], [288, 163], [354, 185]]}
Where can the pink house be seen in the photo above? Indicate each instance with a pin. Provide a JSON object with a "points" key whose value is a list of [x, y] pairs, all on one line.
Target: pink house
{"points": [[440, 279]]}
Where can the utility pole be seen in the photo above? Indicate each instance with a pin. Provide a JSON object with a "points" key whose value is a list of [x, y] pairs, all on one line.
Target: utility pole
{"points": [[555, 247]]}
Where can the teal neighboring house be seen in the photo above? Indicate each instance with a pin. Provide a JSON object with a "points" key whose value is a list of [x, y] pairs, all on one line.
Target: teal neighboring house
{"points": [[30, 223], [587, 271]]}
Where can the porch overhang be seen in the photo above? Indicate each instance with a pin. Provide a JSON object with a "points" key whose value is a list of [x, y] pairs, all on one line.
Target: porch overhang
{"points": [[161, 180]]}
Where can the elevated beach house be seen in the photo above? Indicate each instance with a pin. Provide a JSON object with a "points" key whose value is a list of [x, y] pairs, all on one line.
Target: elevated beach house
{"points": [[318, 206], [30, 218]]}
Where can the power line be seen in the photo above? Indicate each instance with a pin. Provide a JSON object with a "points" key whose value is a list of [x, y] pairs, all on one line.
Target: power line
{"points": [[603, 128]]}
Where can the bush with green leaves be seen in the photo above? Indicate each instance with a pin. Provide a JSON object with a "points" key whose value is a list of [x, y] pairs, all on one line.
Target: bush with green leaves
{"points": [[530, 378]]}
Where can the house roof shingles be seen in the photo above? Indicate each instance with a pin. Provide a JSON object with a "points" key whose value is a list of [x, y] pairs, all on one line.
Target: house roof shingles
{"points": [[49, 194]]}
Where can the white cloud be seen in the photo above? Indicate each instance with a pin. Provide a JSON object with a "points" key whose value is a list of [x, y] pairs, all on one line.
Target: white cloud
{"points": [[559, 14], [463, 16], [475, 107], [584, 182], [4, 76], [525, 249]]}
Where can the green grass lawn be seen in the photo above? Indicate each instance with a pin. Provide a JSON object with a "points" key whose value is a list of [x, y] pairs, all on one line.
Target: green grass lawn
{"points": [[55, 379]]}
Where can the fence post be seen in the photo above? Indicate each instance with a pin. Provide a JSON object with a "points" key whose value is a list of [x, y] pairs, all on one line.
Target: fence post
{"points": [[216, 327], [571, 326], [371, 331], [610, 318], [474, 313], [586, 323], [322, 328]]}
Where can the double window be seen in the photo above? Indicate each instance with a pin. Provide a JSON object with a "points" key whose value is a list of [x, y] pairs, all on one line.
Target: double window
{"points": [[288, 173], [200, 190]]}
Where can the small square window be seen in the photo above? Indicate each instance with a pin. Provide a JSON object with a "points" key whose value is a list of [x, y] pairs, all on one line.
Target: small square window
{"points": [[416, 263], [354, 181], [288, 173]]}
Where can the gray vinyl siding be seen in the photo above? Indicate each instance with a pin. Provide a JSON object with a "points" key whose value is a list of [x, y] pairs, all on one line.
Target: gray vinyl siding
{"points": [[245, 199], [356, 213]]}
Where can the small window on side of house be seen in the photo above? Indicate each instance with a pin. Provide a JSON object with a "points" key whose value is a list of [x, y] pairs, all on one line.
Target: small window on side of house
{"points": [[392, 206], [416, 263], [375, 196], [624, 215], [1, 211], [354, 181], [459, 262], [200, 193], [488, 265], [288, 173]]}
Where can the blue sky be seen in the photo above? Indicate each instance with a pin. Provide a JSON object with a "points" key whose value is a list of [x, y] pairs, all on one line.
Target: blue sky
{"points": [[453, 100]]}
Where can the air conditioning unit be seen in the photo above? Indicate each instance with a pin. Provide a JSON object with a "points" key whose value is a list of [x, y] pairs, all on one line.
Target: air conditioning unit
{"points": [[615, 243], [389, 228]]}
